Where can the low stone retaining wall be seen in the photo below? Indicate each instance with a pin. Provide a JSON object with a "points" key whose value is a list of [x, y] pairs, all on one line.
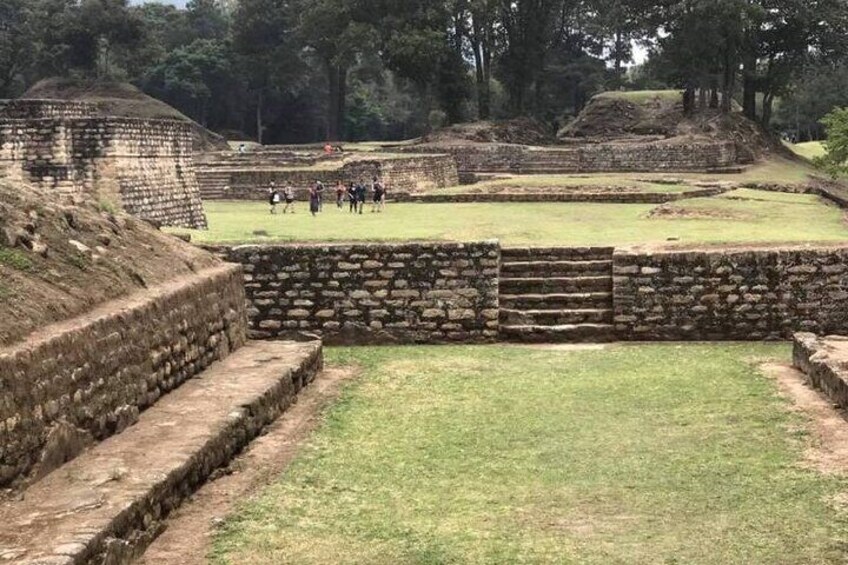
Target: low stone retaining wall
{"points": [[822, 360], [730, 294], [673, 155], [372, 293], [552, 196], [88, 378], [405, 174]]}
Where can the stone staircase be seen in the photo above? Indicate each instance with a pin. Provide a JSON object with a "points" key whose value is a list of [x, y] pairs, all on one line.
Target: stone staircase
{"points": [[554, 295], [106, 500], [213, 183]]}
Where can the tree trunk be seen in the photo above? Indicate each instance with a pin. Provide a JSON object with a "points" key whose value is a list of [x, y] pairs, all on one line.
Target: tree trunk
{"points": [[259, 126], [768, 101], [483, 110], [332, 130], [749, 97], [617, 56], [689, 99], [728, 84]]}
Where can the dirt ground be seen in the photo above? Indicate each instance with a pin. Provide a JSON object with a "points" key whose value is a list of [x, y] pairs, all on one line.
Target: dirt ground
{"points": [[188, 536], [827, 451]]}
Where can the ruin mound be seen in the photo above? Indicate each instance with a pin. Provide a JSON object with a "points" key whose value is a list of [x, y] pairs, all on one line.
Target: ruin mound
{"points": [[60, 258], [659, 114], [618, 114], [520, 131], [123, 100]]}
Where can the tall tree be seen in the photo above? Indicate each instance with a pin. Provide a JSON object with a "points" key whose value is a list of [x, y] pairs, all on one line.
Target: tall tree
{"points": [[328, 28], [263, 33]]}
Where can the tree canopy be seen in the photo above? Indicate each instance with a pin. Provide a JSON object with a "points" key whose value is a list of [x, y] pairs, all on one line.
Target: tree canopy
{"points": [[314, 70]]}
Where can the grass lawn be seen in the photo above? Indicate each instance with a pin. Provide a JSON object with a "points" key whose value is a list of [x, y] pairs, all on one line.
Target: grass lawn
{"points": [[493, 454], [642, 96], [771, 217], [809, 149]]}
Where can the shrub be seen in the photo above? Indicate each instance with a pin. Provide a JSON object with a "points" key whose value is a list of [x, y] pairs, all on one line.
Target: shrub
{"points": [[835, 160]]}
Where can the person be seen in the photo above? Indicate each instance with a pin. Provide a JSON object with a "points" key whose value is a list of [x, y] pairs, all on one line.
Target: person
{"points": [[328, 148], [351, 197], [362, 196], [340, 192], [314, 200], [241, 148], [319, 189], [377, 187], [273, 197], [288, 192]]}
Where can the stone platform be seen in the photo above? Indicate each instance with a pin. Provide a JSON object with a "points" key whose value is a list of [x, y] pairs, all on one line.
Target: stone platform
{"points": [[824, 360], [107, 504]]}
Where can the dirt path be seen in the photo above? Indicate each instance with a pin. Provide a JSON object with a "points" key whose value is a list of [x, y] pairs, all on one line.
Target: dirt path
{"points": [[827, 451], [188, 536]]}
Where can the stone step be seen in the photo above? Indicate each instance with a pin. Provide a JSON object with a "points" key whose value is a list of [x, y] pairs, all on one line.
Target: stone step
{"points": [[555, 317], [561, 301], [530, 269], [569, 333], [106, 505], [526, 254], [555, 285]]}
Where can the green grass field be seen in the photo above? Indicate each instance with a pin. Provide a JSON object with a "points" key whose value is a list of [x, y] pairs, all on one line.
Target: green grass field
{"points": [[761, 217], [493, 454], [810, 149]]}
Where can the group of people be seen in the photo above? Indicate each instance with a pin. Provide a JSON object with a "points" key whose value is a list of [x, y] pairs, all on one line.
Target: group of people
{"points": [[355, 193]]}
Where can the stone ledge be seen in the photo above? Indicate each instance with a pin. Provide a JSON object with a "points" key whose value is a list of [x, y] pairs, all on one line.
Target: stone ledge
{"points": [[109, 503]]}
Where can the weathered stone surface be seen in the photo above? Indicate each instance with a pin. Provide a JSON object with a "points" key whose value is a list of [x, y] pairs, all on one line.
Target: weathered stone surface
{"points": [[730, 294], [108, 503], [96, 372], [148, 165], [246, 176], [589, 157], [421, 300]]}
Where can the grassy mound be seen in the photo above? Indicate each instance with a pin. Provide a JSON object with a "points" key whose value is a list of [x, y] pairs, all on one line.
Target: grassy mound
{"points": [[60, 259], [522, 131], [121, 99]]}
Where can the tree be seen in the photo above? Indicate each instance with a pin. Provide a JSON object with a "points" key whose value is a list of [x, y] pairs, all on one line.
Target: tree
{"points": [[193, 77], [328, 29], [263, 32], [17, 36], [835, 160]]}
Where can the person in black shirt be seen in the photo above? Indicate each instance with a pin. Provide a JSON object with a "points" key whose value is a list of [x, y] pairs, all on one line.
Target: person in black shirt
{"points": [[361, 195], [351, 196]]}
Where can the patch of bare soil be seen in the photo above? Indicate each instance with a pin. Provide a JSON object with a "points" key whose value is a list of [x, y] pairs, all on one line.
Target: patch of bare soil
{"points": [[61, 258], [827, 451], [672, 212], [189, 531]]}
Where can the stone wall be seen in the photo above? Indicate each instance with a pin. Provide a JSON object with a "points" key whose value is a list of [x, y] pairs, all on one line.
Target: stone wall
{"points": [[405, 174], [730, 294], [88, 378], [372, 293], [591, 157], [587, 193], [145, 166]]}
